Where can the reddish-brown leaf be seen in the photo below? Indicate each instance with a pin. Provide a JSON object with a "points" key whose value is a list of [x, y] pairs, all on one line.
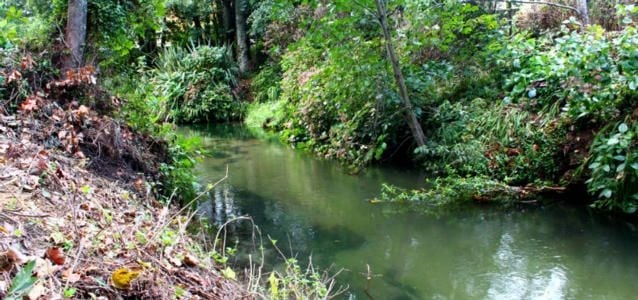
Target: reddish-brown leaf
{"points": [[56, 255], [14, 76], [26, 63], [30, 104]]}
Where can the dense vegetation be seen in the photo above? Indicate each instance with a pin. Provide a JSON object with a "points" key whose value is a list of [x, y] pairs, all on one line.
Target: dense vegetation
{"points": [[522, 95], [495, 99], [503, 101]]}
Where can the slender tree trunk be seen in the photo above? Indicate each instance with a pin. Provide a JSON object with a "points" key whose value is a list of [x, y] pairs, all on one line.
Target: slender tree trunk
{"points": [[228, 20], [199, 29], [75, 33], [583, 11], [243, 46], [149, 45], [410, 117]]}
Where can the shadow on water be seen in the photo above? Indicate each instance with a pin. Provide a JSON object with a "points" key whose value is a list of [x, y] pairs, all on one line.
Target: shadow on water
{"points": [[313, 208]]}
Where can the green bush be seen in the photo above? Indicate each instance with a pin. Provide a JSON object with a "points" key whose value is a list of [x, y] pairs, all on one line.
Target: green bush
{"points": [[340, 103], [588, 73], [504, 142], [20, 26], [266, 85], [197, 84], [614, 168]]}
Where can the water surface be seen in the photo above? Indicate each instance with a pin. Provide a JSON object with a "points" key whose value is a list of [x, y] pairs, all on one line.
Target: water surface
{"points": [[312, 207]]}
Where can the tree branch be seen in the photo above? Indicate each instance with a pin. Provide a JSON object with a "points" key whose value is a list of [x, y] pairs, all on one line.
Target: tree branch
{"points": [[563, 6]]}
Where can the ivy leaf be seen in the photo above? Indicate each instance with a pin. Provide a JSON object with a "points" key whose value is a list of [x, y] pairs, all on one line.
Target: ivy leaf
{"points": [[606, 193], [613, 141], [619, 157], [634, 166], [23, 282], [622, 128], [620, 167]]}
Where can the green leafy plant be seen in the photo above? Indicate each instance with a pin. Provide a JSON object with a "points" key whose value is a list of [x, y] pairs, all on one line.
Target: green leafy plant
{"points": [[23, 282], [614, 168], [69, 292], [197, 84]]}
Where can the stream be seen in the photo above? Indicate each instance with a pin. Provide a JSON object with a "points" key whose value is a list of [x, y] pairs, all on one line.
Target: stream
{"points": [[312, 207]]}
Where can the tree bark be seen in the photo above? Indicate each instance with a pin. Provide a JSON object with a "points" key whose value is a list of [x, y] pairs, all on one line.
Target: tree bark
{"points": [[583, 11], [75, 33], [243, 46], [581, 7], [228, 20], [410, 117]]}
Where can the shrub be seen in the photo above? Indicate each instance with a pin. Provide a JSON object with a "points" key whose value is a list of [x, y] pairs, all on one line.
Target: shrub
{"points": [[198, 84], [614, 168], [588, 74], [266, 85]]}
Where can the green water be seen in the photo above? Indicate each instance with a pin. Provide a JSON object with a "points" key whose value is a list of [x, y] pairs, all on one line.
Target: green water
{"points": [[312, 207]]}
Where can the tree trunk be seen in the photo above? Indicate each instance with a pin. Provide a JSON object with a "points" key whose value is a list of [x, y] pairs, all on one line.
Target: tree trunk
{"points": [[410, 117], [148, 44], [243, 46], [583, 11], [75, 35], [228, 20]]}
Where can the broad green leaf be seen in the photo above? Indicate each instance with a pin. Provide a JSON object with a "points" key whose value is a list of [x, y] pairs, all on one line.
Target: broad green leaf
{"points": [[619, 157], [606, 193], [623, 128], [620, 167], [23, 282], [613, 141]]}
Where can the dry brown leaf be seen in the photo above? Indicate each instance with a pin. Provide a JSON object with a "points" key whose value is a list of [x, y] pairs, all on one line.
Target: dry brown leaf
{"points": [[30, 104], [56, 255], [190, 260], [79, 154], [71, 277], [26, 63], [37, 291], [81, 111], [10, 258], [14, 76]]}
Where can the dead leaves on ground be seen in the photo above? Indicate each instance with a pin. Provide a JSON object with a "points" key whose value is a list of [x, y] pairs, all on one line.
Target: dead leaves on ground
{"points": [[75, 77], [82, 230], [56, 255]]}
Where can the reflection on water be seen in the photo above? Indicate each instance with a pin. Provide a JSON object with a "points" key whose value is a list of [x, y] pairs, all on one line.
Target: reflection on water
{"points": [[315, 209]]}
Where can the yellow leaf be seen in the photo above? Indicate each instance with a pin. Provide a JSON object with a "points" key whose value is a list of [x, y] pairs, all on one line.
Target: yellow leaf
{"points": [[274, 285], [146, 265], [122, 277], [228, 273]]}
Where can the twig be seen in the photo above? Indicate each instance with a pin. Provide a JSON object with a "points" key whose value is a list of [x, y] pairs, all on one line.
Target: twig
{"points": [[75, 262], [539, 3], [27, 215], [368, 280]]}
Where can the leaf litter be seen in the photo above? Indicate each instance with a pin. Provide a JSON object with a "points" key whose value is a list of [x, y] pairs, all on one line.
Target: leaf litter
{"points": [[74, 222]]}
